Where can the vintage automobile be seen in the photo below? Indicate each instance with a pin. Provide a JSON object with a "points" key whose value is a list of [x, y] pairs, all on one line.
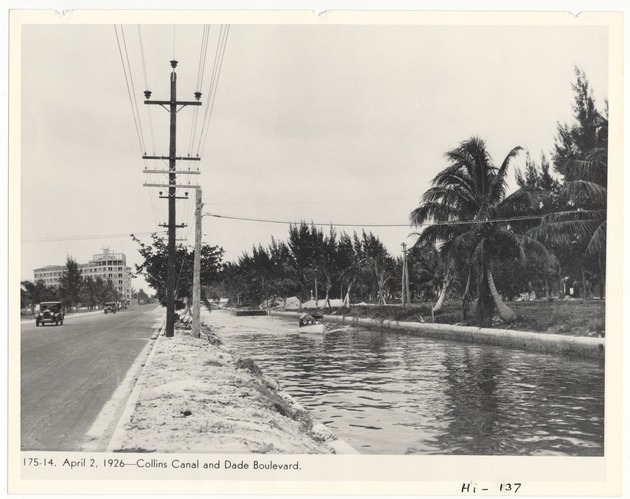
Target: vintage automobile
{"points": [[111, 307], [51, 312]]}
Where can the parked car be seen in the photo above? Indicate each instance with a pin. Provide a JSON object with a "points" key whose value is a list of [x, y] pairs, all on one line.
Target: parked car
{"points": [[51, 312], [110, 307]]}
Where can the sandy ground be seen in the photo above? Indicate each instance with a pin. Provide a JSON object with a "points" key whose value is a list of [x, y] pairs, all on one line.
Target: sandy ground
{"points": [[195, 396]]}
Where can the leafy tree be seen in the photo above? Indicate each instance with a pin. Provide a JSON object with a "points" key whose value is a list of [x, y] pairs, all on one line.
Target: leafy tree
{"points": [[466, 205], [155, 267], [588, 132], [110, 293], [577, 231], [32, 293], [327, 261], [284, 281], [89, 295], [70, 283], [306, 244], [378, 261], [141, 296], [427, 274], [350, 263]]}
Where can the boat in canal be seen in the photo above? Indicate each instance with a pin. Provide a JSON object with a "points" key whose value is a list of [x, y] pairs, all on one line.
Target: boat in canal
{"points": [[311, 323]]}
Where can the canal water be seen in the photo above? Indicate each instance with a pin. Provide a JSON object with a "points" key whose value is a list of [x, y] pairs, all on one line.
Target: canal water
{"points": [[392, 393]]}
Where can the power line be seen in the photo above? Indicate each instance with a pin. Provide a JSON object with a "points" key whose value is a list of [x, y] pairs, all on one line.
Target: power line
{"points": [[453, 222], [130, 95], [301, 202], [146, 87], [81, 238], [214, 84]]}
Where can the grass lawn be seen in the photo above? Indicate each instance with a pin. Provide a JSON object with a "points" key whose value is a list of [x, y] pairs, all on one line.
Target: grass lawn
{"points": [[568, 317]]}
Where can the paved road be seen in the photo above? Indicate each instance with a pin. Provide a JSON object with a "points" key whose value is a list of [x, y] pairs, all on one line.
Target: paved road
{"points": [[69, 372]]}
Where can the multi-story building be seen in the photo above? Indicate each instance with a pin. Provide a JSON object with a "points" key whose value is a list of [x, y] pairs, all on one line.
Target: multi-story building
{"points": [[49, 275], [107, 265]]}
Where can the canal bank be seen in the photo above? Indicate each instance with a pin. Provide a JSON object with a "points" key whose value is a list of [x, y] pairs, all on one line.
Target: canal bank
{"points": [[551, 343], [196, 396]]}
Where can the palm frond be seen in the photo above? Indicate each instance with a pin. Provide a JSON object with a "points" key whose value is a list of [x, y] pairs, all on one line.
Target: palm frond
{"points": [[593, 167], [565, 232], [597, 244], [498, 185], [573, 215], [433, 211], [585, 192], [525, 201]]}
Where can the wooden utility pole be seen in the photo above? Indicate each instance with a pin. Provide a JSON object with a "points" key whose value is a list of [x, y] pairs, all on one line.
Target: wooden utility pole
{"points": [[407, 276], [196, 311], [171, 107], [404, 275]]}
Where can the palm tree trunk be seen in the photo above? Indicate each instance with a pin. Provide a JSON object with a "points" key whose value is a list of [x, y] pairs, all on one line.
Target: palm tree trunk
{"points": [[440, 303], [584, 297], [505, 312], [346, 300], [466, 297]]}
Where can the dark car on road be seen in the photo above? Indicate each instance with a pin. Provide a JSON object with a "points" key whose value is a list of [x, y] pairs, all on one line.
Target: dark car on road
{"points": [[110, 307], [50, 312]]}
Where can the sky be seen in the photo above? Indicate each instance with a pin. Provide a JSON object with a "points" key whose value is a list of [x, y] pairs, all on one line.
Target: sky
{"points": [[343, 124]]}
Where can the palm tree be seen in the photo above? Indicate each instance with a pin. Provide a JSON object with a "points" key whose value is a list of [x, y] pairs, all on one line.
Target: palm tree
{"points": [[583, 222], [465, 205]]}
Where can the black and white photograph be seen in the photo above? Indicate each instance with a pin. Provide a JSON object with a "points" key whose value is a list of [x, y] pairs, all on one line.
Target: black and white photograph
{"points": [[321, 250]]}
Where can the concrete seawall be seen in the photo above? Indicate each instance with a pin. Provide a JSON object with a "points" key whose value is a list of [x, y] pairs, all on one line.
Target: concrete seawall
{"points": [[553, 343]]}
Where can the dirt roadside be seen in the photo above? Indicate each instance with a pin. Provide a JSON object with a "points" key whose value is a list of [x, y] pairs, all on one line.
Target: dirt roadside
{"points": [[195, 396]]}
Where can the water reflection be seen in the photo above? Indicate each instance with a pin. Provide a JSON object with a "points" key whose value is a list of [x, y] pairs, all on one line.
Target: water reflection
{"points": [[395, 394]]}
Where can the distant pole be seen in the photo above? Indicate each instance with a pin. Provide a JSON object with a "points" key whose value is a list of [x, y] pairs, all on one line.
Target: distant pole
{"points": [[407, 277], [404, 275], [196, 326]]}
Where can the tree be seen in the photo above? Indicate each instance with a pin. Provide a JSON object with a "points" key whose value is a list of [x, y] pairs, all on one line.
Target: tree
{"points": [[155, 267], [578, 228], [378, 261], [466, 205], [306, 245], [141, 296], [427, 271], [349, 261], [89, 294], [32, 293], [588, 132], [70, 283], [284, 281]]}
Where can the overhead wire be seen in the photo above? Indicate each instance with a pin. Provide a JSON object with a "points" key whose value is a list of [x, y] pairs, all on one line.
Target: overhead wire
{"points": [[332, 224], [146, 87], [201, 67], [214, 83], [129, 94], [81, 238], [152, 191], [124, 59], [133, 88]]}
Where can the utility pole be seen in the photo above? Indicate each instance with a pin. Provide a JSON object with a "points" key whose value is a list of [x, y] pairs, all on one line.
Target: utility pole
{"points": [[404, 275], [171, 107], [196, 311], [407, 277]]}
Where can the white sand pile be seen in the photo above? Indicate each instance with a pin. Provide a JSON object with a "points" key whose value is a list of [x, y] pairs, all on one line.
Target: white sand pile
{"points": [[196, 397], [322, 304]]}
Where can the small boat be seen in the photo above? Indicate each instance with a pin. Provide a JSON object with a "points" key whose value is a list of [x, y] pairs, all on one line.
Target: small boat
{"points": [[311, 323]]}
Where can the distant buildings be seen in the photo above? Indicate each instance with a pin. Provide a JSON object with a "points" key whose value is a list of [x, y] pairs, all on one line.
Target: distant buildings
{"points": [[106, 265]]}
